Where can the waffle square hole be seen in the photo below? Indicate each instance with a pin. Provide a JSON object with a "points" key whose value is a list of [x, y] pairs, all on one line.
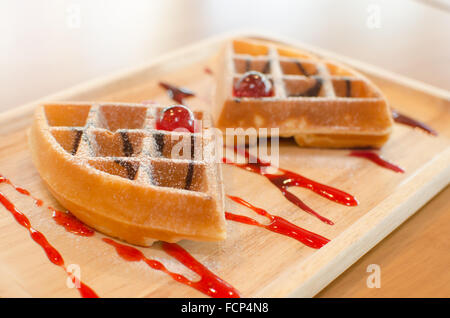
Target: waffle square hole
{"points": [[113, 117], [119, 144], [245, 47], [122, 168], [308, 87], [179, 175], [336, 70], [178, 146], [69, 139], [242, 65], [294, 67], [67, 115], [286, 52], [346, 87]]}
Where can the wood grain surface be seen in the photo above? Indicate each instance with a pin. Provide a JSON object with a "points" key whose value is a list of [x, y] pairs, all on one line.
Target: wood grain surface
{"points": [[256, 262], [414, 259]]}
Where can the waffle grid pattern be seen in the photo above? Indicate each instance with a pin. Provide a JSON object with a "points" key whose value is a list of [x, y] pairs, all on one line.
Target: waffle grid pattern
{"points": [[121, 139], [298, 77]]}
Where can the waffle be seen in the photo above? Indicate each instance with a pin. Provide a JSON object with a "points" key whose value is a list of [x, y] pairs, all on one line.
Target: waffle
{"points": [[318, 102], [108, 165]]}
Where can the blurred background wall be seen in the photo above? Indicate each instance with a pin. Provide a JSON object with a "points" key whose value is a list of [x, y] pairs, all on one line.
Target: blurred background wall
{"points": [[49, 45]]}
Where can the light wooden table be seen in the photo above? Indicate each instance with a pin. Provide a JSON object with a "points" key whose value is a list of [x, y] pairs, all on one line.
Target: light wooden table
{"points": [[51, 45], [414, 259]]}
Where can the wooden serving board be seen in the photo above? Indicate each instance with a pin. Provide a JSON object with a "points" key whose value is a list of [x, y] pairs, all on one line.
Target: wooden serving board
{"points": [[257, 262]]}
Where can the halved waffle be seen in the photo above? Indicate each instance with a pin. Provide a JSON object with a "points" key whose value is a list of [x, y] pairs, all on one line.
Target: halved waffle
{"points": [[108, 165], [318, 102]]}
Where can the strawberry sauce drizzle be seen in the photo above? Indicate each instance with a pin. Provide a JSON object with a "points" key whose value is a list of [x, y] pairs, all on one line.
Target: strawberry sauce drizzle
{"points": [[71, 223], [65, 219], [406, 120], [377, 159], [52, 254], [278, 225], [285, 179], [23, 191], [208, 71], [209, 284], [177, 93]]}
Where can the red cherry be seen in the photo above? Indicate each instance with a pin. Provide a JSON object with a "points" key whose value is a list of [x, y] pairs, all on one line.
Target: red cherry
{"points": [[253, 84], [177, 116]]}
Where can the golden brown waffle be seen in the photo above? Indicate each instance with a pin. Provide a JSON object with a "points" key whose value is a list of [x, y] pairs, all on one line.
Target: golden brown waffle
{"points": [[108, 165], [320, 103]]}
